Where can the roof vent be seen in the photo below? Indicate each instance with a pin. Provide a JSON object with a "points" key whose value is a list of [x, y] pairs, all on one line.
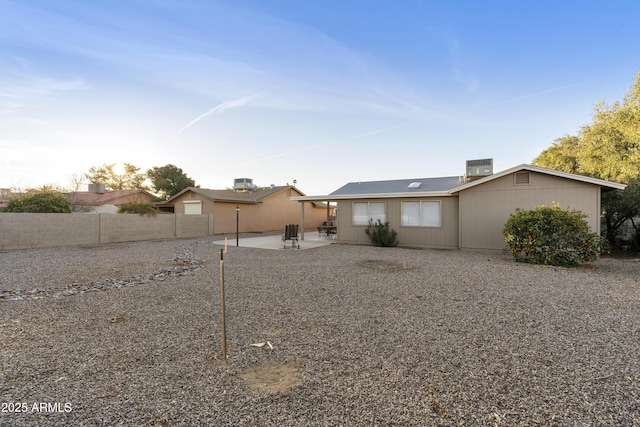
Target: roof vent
{"points": [[415, 184]]}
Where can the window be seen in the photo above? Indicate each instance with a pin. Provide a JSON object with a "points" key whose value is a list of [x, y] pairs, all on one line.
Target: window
{"points": [[193, 207], [364, 211], [421, 214]]}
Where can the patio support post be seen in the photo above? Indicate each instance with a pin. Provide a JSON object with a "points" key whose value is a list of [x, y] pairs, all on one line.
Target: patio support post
{"points": [[237, 224], [328, 212], [302, 221]]}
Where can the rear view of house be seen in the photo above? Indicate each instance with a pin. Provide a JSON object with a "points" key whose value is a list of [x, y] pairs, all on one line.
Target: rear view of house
{"points": [[461, 212]]}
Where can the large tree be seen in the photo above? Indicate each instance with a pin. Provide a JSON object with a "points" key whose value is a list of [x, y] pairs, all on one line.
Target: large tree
{"points": [[129, 179], [618, 207], [561, 156], [608, 148], [169, 180]]}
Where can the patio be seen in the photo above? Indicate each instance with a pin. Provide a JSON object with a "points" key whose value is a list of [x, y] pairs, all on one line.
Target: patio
{"points": [[274, 241]]}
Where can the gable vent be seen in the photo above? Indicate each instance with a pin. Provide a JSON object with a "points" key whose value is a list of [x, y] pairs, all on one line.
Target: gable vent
{"points": [[523, 178]]}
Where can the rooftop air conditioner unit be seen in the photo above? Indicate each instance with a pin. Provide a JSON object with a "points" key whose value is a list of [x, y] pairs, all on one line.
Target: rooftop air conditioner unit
{"points": [[479, 168], [243, 184]]}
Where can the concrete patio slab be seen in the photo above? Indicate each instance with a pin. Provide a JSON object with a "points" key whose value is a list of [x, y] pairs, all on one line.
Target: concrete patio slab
{"points": [[311, 240]]}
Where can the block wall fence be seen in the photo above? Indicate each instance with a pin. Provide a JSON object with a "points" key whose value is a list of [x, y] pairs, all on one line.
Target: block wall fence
{"points": [[32, 230]]}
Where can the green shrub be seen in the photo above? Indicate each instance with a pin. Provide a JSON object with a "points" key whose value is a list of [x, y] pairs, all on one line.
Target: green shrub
{"points": [[552, 236], [45, 202], [381, 234], [140, 208]]}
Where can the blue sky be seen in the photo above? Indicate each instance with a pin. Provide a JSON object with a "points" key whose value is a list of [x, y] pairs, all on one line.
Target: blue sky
{"points": [[321, 92]]}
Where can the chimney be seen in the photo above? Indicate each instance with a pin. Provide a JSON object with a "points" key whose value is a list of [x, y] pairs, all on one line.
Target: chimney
{"points": [[97, 188]]}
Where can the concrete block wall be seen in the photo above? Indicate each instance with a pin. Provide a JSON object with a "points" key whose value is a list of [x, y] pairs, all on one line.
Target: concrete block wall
{"points": [[193, 225], [30, 230], [126, 228]]}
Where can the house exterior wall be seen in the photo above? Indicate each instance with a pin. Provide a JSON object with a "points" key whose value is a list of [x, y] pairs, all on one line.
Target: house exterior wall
{"points": [[445, 236], [485, 208], [178, 203], [272, 213]]}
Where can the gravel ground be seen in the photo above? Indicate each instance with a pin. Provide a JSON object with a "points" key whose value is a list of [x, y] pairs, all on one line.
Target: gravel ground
{"points": [[129, 334]]}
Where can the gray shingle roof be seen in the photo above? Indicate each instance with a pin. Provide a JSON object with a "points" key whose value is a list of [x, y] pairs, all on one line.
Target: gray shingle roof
{"points": [[399, 186]]}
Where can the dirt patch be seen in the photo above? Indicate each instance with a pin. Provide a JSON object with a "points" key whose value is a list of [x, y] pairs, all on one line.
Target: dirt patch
{"points": [[271, 376], [385, 265]]}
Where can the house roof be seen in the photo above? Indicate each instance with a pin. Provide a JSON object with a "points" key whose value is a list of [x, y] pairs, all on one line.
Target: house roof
{"points": [[254, 196], [417, 185], [97, 199], [440, 187]]}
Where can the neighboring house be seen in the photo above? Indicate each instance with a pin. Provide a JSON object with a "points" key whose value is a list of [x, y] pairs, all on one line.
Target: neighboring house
{"points": [[457, 212], [260, 209], [97, 200]]}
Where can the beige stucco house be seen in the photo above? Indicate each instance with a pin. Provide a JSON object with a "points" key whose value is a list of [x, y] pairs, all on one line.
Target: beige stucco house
{"points": [[459, 213], [261, 209]]}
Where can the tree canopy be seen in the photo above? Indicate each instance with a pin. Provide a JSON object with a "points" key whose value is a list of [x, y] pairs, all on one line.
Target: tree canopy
{"points": [[169, 180], [608, 148], [129, 179]]}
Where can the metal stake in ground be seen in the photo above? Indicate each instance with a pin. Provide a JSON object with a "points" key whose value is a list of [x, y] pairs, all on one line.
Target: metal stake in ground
{"points": [[224, 329]]}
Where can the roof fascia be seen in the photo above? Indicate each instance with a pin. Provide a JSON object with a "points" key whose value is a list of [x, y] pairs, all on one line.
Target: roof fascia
{"points": [[572, 176], [402, 195], [175, 196]]}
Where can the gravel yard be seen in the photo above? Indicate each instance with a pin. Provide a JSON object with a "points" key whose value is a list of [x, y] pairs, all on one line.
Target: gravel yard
{"points": [[129, 334]]}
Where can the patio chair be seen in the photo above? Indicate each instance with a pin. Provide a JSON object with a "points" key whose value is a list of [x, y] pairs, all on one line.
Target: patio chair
{"points": [[290, 233]]}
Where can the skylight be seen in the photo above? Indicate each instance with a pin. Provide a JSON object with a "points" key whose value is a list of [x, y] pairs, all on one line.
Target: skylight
{"points": [[415, 185]]}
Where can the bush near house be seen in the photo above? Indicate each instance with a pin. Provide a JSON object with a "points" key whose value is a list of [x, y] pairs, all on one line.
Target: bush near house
{"points": [[381, 234], [552, 236], [45, 202], [140, 208]]}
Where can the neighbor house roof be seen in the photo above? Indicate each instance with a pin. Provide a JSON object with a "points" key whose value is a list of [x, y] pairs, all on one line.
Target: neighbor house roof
{"points": [[440, 187], [253, 196], [97, 199]]}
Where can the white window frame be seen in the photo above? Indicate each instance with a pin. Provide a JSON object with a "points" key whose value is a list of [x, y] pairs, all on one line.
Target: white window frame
{"points": [[371, 214], [422, 219]]}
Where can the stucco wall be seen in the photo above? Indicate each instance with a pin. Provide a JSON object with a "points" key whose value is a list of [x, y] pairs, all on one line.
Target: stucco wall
{"points": [[29, 230]]}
